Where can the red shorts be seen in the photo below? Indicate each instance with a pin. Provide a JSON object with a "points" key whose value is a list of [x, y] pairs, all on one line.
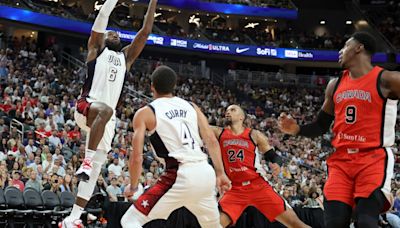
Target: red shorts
{"points": [[354, 174], [82, 106], [258, 194]]}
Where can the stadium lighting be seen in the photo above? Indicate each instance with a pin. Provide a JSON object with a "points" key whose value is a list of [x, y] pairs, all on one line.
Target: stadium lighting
{"points": [[349, 22], [194, 20], [251, 25], [322, 22]]}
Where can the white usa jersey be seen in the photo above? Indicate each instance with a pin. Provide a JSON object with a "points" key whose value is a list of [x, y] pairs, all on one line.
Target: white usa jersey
{"points": [[105, 78], [177, 132]]}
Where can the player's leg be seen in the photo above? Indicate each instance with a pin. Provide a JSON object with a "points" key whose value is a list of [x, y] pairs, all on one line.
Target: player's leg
{"points": [[232, 204], [158, 202], [85, 188], [224, 219], [203, 201], [206, 212], [368, 210], [339, 191], [337, 214], [97, 116], [372, 183], [274, 207]]}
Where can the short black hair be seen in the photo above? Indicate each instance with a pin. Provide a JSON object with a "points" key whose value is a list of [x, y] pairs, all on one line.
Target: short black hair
{"points": [[164, 80], [367, 40]]}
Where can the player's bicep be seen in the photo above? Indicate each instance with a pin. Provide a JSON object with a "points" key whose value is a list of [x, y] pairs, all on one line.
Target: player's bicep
{"points": [[328, 105], [217, 130], [393, 83]]}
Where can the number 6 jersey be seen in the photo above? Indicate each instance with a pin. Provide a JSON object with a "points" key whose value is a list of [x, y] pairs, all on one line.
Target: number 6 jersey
{"points": [[105, 78], [177, 132], [364, 119]]}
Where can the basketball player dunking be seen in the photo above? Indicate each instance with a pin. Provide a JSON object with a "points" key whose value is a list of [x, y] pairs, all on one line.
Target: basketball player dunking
{"points": [[362, 103], [107, 64], [175, 127], [240, 147]]}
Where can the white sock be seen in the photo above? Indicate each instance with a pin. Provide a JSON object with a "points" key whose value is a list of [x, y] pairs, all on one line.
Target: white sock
{"points": [[76, 212], [89, 154]]}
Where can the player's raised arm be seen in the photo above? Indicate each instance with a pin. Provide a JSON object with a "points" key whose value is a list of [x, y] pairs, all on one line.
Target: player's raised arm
{"points": [[95, 43], [217, 130], [133, 50], [322, 123], [209, 139]]}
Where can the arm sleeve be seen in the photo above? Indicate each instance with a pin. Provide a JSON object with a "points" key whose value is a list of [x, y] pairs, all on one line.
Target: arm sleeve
{"points": [[318, 127], [101, 22]]}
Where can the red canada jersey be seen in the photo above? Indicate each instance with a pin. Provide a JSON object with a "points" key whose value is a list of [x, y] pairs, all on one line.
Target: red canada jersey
{"points": [[364, 118], [240, 156]]}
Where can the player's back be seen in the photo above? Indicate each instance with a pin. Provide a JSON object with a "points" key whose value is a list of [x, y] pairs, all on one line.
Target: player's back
{"points": [[177, 132], [105, 77], [364, 119], [240, 156]]}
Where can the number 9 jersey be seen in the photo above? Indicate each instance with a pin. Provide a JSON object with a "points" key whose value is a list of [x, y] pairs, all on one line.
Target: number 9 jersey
{"points": [[240, 156], [364, 119]]}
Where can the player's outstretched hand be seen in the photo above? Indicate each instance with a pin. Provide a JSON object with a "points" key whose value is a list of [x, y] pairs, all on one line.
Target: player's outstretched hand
{"points": [[276, 169], [223, 183], [288, 125]]}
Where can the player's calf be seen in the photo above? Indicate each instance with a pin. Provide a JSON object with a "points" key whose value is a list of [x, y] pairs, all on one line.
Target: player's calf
{"points": [[290, 219]]}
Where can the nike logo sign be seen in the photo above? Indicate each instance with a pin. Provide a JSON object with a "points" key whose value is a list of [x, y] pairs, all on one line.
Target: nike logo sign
{"points": [[238, 50]]}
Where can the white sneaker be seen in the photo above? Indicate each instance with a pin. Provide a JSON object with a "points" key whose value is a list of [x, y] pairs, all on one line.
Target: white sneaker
{"points": [[70, 224], [85, 170], [91, 217]]}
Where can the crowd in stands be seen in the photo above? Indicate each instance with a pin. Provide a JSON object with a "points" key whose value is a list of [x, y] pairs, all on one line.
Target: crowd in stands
{"points": [[39, 92], [387, 21], [214, 30]]}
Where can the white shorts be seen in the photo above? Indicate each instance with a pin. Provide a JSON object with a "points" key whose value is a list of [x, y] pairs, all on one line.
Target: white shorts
{"points": [[82, 107], [191, 186]]}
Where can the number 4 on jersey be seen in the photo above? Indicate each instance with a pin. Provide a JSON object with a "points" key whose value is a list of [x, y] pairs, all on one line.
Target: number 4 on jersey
{"points": [[186, 136]]}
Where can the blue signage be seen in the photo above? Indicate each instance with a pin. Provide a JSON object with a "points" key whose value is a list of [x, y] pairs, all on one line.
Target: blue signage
{"points": [[179, 43], [398, 59], [225, 8]]}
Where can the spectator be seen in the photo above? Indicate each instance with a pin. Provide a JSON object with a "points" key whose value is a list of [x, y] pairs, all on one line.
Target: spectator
{"points": [[30, 148], [54, 140], [115, 168], [113, 190], [34, 182], [15, 181]]}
